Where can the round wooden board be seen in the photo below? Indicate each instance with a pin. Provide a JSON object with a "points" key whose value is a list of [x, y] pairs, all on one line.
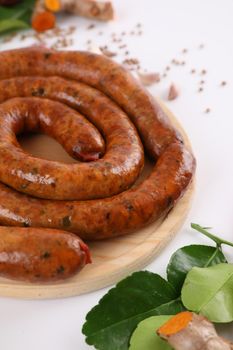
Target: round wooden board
{"points": [[113, 259]]}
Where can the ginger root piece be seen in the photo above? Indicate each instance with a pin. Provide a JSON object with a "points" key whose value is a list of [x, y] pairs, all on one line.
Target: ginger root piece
{"points": [[96, 9], [148, 79], [173, 92], [42, 19], [189, 331]]}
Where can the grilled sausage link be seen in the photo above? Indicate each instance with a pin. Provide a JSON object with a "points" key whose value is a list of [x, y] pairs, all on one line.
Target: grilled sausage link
{"points": [[109, 217], [40, 255], [115, 172], [90, 199]]}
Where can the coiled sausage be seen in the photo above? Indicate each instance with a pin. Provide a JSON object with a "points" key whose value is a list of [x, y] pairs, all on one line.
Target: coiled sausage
{"points": [[100, 203]]}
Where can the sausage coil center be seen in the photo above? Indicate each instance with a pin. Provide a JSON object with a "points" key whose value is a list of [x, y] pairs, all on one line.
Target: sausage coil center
{"points": [[107, 121]]}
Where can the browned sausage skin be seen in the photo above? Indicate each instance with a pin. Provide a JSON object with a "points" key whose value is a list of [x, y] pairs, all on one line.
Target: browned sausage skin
{"points": [[73, 79], [103, 74], [105, 218], [40, 255], [115, 172]]}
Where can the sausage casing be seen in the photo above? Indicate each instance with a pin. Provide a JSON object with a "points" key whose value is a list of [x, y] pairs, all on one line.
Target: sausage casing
{"points": [[40, 255], [96, 200]]}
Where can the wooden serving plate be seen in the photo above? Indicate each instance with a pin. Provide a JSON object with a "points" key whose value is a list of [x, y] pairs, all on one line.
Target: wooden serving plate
{"points": [[113, 259]]}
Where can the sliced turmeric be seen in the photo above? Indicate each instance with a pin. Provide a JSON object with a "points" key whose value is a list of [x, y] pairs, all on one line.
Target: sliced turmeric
{"points": [[189, 331], [43, 16], [42, 19], [176, 323], [53, 5]]}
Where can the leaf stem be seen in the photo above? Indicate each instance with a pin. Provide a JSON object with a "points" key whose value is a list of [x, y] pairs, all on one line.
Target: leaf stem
{"points": [[214, 238], [213, 256]]}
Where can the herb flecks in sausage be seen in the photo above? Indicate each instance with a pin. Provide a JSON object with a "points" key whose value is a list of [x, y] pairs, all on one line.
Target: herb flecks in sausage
{"points": [[26, 224], [23, 186], [129, 206], [39, 257], [108, 215], [66, 221], [38, 92], [60, 269], [92, 105], [170, 200], [46, 255], [47, 55]]}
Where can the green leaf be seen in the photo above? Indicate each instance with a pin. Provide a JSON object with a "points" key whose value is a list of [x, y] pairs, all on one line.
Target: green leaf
{"points": [[16, 17], [145, 337], [10, 24], [109, 325], [184, 259], [209, 291]]}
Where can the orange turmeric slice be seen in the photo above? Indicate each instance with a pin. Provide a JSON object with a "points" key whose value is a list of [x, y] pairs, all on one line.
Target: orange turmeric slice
{"points": [[43, 21], [176, 323], [53, 5]]}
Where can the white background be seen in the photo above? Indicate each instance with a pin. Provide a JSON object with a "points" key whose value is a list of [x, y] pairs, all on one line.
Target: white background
{"points": [[169, 26]]}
